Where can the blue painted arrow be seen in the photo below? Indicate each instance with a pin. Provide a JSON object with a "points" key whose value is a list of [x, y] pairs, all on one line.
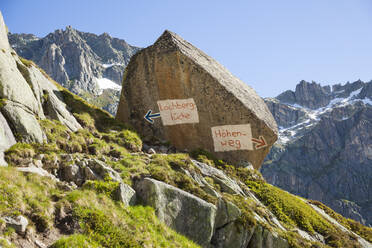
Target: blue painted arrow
{"points": [[149, 117]]}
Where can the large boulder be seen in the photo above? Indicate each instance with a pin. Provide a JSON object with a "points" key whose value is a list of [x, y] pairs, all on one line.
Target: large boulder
{"points": [[183, 212], [199, 101]]}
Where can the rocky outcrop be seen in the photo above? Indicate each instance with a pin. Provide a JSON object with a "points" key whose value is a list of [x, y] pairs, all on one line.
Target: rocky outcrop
{"points": [[310, 95], [19, 223], [285, 115], [27, 96], [185, 213], [202, 95], [325, 154], [6, 138]]}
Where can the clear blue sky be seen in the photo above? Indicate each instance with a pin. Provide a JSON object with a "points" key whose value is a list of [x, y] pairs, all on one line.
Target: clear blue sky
{"points": [[270, 45]]}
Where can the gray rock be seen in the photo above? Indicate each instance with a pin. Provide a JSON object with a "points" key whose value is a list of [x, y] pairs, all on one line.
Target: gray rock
{"points": [[172, 68], [185, 213], [227, 184], [19, 223], [285, 115], [24, 122], [70, 172], [14, 86], [232, 235], [89, 174], [103, 170], [263, 238], [309, 95], [36, 170], [227, 212], [6, 138], [56, 110], [125, 194], [151, 151]]}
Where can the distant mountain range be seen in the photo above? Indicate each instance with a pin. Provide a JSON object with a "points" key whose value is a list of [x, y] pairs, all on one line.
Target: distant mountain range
{"points": [[324, 150], [87, 64]]}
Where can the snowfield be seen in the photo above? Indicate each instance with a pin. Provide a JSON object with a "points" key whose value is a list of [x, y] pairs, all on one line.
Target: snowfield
{"points": [[105, 83]]}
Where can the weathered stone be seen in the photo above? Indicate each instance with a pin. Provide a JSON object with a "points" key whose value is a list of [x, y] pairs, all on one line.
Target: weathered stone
{"points": [[103, 170], [151, 151], [24, 122], [13, 86], [184, 212], [89, 174], [6, 138], [70, 172], [263, 238], [19, 223], [226, 212], [56, 110], [36, 170], [172, 68], [125, 194], [232, 235], [227, 184]]}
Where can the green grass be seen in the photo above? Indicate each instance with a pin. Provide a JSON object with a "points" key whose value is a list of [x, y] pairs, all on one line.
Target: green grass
{"points": [[27, 195], [108, 224], [27, 62], [103, 187], [103, 222], [76, 241], [294, 212], [352, 225]]}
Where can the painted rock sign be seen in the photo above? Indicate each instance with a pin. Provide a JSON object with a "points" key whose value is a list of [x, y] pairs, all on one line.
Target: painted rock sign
{"points": [[232, 138], [200, 103], [178, 111]]}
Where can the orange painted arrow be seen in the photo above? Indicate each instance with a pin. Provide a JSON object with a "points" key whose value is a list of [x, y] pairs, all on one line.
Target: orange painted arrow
{"points": [[260, 143]]}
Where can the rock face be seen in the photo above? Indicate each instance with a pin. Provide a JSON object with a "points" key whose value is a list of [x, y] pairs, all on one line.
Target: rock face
{"points": [[310, 95], [26, 96], [6, 138], [78, 60], [325, 153], [173, 69]]}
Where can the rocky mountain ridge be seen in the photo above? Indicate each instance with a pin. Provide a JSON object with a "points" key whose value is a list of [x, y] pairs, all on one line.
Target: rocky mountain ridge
{"points": [[324, 150], [89, 65]]}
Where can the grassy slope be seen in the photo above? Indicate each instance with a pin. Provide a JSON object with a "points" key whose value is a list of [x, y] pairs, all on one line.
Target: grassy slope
{"points": [[103, 136]]}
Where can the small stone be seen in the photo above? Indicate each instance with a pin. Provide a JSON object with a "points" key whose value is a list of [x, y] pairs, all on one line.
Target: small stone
{"points": [[125, 194], [70, 172], [38, 163], [151, 151], [39, 244], [19, 223]]}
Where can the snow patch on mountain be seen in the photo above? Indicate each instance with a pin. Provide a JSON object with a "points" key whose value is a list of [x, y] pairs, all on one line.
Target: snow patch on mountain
{"points": [[111, 65], [313, 116], [105, 83]]}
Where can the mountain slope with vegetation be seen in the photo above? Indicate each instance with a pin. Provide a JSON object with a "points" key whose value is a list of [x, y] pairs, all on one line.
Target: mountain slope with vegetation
{"points": [[76, 177]]}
